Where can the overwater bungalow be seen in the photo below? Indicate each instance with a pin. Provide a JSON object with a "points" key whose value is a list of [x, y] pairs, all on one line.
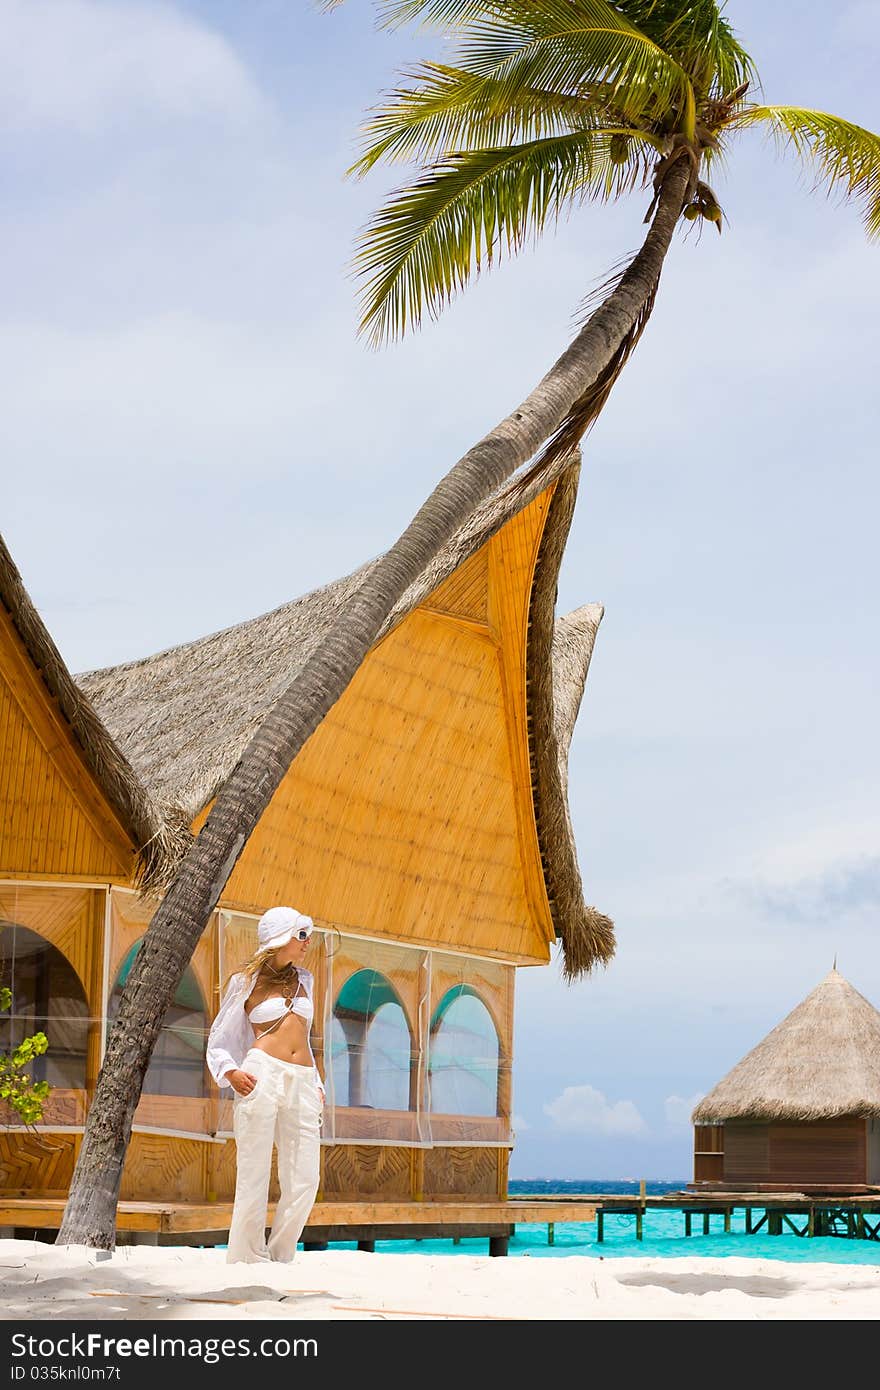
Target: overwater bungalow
{"points": [[424, 826], [801, 1112]]}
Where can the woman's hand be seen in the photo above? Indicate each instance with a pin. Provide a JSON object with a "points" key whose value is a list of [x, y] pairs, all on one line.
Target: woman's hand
{"points": [[242, 1082]]}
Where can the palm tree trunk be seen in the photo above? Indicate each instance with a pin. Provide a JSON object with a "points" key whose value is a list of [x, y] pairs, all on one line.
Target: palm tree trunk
{"points": [[90, 1214]]}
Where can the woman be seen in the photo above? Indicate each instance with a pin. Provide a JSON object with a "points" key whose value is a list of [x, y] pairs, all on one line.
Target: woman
{"points": [[259, 1045]]}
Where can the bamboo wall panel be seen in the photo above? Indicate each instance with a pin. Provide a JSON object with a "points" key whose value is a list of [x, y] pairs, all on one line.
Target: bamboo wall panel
{"points": [[54, 819], [404, 812], [220, 1172], [161, 1166], [71, 918], [37, 1165], [362, 1171], [466, 592], [468, 1174]]}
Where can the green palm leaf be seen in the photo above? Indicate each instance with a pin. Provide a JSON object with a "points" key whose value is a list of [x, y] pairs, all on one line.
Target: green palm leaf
{"points": [[693, 32], [582, 47], [452, 110], [697, 35], [846, 157], [432, 237]]}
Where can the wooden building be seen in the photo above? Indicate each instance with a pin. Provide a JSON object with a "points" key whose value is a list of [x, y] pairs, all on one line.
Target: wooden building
{"points": [[801, 1112], [424, 826]]}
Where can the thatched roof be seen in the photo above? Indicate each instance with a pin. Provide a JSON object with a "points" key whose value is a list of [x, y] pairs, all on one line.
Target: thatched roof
{"points": [[150, 830], [821, 1061], [185, 715]]}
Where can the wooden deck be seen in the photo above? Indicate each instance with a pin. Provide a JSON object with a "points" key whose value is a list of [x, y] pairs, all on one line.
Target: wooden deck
{"points": [[175, 1223]]}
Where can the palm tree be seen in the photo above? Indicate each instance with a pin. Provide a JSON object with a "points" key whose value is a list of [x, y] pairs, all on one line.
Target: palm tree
{"points": [[546, 104]]}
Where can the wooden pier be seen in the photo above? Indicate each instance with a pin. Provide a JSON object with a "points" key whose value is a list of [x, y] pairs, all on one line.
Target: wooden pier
{"points": [[855, 1215]]}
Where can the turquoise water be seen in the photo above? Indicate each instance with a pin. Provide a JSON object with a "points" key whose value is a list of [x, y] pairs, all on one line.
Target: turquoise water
{"points": [[663, 1234]]}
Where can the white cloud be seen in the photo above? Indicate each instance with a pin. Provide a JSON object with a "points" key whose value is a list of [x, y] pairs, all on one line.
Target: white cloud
{"points": [[827, 871], [584, 1110], [519, 1123], [678, 1109], [84, 64]]}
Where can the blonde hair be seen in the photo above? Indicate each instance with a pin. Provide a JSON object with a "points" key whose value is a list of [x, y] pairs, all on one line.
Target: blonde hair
{"points": [[253, 965]]}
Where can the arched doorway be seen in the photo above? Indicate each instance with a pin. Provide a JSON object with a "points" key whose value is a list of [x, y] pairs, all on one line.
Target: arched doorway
{"points": [[463, 1056], [371, 1044], [47, 997], [177, 1066]]}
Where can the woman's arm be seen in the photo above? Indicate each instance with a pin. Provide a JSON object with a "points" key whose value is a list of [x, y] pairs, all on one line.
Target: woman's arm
{"points": [[229, 1035]]}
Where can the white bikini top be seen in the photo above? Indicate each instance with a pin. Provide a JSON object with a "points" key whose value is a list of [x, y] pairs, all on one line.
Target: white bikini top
{"points": [[276, 1007]]}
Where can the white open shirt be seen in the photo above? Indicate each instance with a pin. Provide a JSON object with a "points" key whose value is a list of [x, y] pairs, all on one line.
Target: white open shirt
{"points": [[232, 1034]]}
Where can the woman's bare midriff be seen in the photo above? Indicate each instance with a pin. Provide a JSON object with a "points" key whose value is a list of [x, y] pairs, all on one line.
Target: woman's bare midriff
{"points": [[289, 1041]]}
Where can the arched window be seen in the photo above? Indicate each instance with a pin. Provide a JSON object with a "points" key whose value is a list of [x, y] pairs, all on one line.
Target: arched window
{"points": [[177, 1066], [371, 1044], [47, 997], [463, 1056]]}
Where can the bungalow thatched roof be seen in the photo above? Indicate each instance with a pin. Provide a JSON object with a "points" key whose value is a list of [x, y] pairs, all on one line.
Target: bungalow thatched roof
{"points": [[184, 716], [821, 1061], [155, 833]]}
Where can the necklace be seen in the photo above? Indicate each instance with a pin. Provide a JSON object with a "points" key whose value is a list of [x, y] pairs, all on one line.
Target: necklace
{"points": [[287, 978]]}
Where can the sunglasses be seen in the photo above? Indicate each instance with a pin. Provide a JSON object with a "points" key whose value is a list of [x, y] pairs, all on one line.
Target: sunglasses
{"points": [[303, 934]]}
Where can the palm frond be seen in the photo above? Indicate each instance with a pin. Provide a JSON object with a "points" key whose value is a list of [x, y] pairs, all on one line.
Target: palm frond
{"points": [[578, 47], [431, 238], [444, 14], [845, 157], [699, 37], [451, 109]]}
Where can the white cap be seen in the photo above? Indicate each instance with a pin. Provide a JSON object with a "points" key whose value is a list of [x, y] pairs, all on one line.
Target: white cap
{"points": [[279, 924]]}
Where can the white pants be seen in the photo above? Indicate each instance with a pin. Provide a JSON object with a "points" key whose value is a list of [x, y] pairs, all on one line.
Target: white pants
{"points": [[283, 1108]]}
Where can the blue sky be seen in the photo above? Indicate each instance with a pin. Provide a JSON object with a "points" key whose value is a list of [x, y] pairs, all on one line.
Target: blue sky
{"points": [[192, 434]]}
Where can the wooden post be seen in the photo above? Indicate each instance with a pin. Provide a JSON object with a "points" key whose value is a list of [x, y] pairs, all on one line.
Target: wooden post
{"points": [[639, 1218], [368, 1245], [811, 1221], [551, 1233], [705, 1223], [600, 1225], [727, 1215], [748, 1221], [95, 990], [498, 1245], [687, 1222]]}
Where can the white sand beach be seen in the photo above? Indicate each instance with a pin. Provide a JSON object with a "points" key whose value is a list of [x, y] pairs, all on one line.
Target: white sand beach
{"points": [[40, 1281]]}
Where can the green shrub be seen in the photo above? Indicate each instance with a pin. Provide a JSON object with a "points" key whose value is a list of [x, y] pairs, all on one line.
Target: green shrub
{"points": [[17, 1088]]}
